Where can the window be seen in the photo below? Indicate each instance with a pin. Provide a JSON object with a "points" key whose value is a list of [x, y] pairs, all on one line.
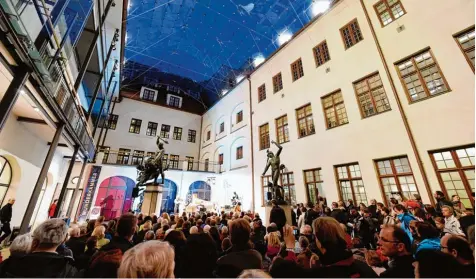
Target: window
{"points": [[282, 129], [239, 152], [334, 110], [151, 129], [189, 163], [222, 127], [192, 135], [313, 180], [206, 164], [105, 150], [5, 177], [123, 156], [165, 131], [220, 159], [287, 181], [261, 93], [148, 95], [466, 43], [165, 164], [174, 161], [389, 10], [264, 136], [277, 82], [371, 95], [455, 169], [297, 70], [177, 133], [351, 185], [137, 157], [174, 101], [135, 126], [239, 117], [321, 54], [396, 178], [351, 34], [421, 76], [209, 134], [305, 121], [150, 155], [112, 122]]}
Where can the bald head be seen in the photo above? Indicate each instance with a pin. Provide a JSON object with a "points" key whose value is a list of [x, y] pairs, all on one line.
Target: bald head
{"points": [[458, 247]]}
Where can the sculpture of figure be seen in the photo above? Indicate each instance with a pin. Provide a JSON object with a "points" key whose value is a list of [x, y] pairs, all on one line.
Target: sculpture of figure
{"points": [[153, 167], [274, 162]]}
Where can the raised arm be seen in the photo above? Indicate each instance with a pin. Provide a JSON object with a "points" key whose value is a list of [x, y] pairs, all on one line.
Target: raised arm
{"points": [[268, 163], [278, 146]]}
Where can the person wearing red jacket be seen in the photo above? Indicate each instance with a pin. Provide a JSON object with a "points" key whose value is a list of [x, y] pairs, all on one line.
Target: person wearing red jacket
{"points": [[52, 209]]}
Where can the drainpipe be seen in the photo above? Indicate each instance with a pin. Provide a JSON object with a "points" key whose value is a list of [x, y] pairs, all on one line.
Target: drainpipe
{"points": [[252, 150], [400, 107]]}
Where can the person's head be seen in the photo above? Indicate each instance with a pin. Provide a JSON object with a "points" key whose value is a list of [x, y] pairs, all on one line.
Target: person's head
{"points": [[273, 239], [306, 230], [99, 221], [458, 247], [55, 201], [430, 210], [21, 245], [373, 202], [186, 226], [399, 208], [166, 216], [418, 212], [269, 154], [393, 201], [380, 206], [455, 198], [111, 225], [303, 242], [366, 212], [440, 223], [99, 232], [149, 235], [274, 203], [147, 225], [199, 256], [439, 195], [91, 225], [417, 197], [330, 237], [394, 241], [426, 231], [254, 273], [240, 233], [74, 232], [310, 205], [385, 211], [341, 203], [334, 205], [446, 211], [49, 235], [436, 264], [152, 259], [194, 230], [126, 226], [471, 237], [91, 243], [372, 258], [225, 244], [175, 238], [11, 201], [350, 201]]}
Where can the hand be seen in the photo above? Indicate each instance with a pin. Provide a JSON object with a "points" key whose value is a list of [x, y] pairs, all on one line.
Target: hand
{"points": [[273, 142], [289, 238]]}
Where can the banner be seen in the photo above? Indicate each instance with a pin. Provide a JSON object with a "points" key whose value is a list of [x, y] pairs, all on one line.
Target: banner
{"points": [[90, 188]]}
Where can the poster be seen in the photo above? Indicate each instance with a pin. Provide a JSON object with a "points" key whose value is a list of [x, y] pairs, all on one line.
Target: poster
{"points": [[89, 192]]}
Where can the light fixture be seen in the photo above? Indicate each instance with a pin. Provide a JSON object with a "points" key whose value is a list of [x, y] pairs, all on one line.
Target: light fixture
{"points": [[258, 59], [284, 36], [224, 92], [239, 78], [319, 6], [36, 109], [22, 92]]}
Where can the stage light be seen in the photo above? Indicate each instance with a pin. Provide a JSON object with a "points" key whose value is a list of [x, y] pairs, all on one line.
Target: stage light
{"points": [[224, 92], [284, 37], [258, 59], [239, 78], [319, 6]]}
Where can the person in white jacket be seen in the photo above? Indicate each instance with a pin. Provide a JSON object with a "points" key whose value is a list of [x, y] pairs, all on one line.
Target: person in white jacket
{"points": [[301, 218], [452, 224]]}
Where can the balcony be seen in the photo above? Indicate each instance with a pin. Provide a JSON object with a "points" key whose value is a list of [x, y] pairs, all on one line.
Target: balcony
{"points": [[114, 157]]}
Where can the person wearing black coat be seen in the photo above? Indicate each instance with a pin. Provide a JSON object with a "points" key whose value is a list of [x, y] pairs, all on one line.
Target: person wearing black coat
{"points": [[339, 214], [310, 214], [5, 218], [293, 218], [441, 201], [277, 216]]}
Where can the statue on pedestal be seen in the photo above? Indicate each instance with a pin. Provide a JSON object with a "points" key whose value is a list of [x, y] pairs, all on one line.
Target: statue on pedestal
{"points": [[274, 162], [153, 166]]}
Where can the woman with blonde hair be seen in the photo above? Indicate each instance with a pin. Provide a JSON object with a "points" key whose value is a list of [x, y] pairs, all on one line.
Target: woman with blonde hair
{"points": [[100, 233], [152, 259], [274, 245], [165, 216]]}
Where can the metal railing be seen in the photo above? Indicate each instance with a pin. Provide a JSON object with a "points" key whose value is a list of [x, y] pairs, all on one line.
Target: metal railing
{"points": [[113, 157], [52, 73]]}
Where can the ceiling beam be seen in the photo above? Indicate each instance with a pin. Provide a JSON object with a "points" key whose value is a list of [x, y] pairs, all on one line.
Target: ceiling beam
{"points": [[31, 120], [60, 144], [93, 72]]}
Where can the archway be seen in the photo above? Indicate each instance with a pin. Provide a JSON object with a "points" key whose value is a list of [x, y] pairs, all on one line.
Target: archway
{"points": [[5, 177], [169, 193], [115, 196], [202, 189]]}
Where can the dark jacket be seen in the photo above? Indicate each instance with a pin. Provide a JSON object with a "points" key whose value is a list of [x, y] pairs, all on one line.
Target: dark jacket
{"points": [[40, 264], [399, 267], [6, 213], [277, 216], [106, 261], [373, 210], [340, 215], [293, 218], [233, 263], [77, 246], [442, 202], [309, 216]]}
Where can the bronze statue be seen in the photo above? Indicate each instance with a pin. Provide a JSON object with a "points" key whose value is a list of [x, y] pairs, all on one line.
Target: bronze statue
{"points": [[275, 163], [153, 166]]}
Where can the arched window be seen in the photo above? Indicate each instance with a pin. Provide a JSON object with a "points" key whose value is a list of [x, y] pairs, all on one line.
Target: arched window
{"points": [[201, 189], [5, 177]]}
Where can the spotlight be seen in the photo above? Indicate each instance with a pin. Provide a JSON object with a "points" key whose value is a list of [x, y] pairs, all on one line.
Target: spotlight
{"points": [[22, 92], [319, 6], [284, 37], [258, 59], [239, 78]]}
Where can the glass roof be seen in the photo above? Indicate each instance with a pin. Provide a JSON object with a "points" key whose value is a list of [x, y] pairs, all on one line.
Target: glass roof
{"points": [[212, 42]]}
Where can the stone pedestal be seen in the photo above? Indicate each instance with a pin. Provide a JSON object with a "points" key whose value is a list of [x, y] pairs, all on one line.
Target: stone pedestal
{"points": [[152, 200], [287, 210]]}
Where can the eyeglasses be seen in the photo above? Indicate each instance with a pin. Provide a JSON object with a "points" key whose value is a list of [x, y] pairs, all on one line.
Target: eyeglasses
{"points": [[386, 240]]}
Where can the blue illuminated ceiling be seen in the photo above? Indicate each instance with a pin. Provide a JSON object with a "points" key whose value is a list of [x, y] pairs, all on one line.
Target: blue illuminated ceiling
{"points": [[209, 41]]}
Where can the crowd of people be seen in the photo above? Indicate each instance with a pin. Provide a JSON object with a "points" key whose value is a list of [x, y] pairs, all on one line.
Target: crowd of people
{"points": [[405, 240]]}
